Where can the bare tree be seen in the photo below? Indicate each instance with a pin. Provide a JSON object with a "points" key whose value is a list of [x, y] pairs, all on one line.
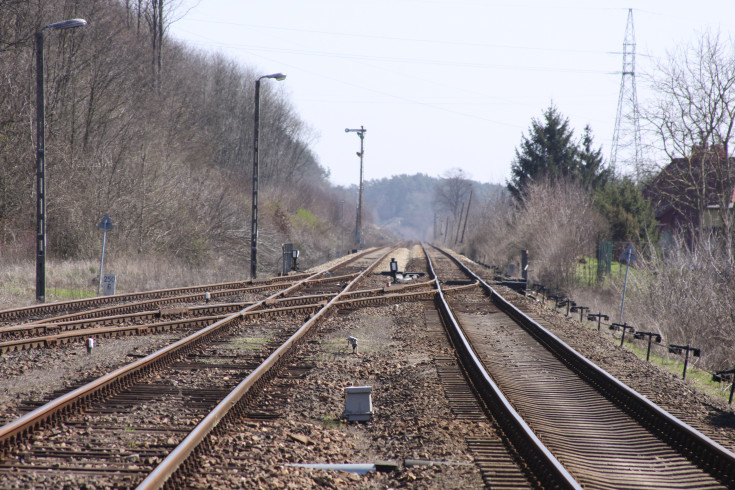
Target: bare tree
{"points": [[669, 293], [450, 197], [692, 121], [558, 224]]}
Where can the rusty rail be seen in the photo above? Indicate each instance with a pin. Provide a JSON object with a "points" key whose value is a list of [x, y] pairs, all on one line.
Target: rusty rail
{"points": [[126, 375], [695, 446], [546, 468], [169, 467], [61, 306]]}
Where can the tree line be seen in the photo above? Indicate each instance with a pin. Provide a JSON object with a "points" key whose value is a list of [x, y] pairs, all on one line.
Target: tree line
{"points": [[151, 131], [678, 214]]}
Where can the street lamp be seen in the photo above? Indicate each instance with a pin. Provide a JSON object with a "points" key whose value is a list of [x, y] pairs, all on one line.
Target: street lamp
{"points": [[41, 158], [358, 223], [254, 222]]}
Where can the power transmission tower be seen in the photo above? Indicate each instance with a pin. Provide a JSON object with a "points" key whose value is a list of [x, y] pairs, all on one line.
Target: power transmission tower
{"points": [[625, 155]]}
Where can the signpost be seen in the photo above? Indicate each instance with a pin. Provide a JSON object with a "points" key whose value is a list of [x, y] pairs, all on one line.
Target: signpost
{"points": [[108, 284], [628, 255], [105, 224]]}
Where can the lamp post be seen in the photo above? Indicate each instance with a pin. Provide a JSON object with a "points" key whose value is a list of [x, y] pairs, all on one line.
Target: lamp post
{"points": [[41, 157], [342, 228], [358, 222], [254, 221]]}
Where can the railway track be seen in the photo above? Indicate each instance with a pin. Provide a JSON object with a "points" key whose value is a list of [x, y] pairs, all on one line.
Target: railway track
{"points": [[56, 333], [601, 432], [96, 306], [195, 377], [182, 423]]}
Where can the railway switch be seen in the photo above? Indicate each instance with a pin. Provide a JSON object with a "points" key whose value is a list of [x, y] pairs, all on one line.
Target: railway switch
{"points": [[624, 327], [728, 375], [398, 275], [353, 342], [678, 349], [358, 403], [599, 317], [652, 336]]}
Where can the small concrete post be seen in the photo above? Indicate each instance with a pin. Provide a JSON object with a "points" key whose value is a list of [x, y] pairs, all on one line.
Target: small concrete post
{"points": [[358, 403]]}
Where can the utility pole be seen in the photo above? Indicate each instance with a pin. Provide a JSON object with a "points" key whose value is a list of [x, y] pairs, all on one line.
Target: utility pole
{"points": [[459, 224], [342, 228], [358, 221], [466, 215]]}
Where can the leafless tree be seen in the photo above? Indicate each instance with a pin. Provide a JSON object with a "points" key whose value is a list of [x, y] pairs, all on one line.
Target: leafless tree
{"points": [[171, 162], [688, 297], [692, 121], [451, 195], [556, 222]]}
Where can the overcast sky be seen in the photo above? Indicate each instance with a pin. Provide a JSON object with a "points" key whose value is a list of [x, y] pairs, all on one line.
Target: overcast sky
{"points": [[440, 84]]}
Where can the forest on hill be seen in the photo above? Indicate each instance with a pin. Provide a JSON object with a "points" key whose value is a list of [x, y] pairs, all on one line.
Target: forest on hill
{"points": [[154, 133], [411, 205], [159, 136]]}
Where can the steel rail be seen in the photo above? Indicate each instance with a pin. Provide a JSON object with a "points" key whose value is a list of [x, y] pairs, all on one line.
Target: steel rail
{"points": [[695, 446], [157, 302], [124, 309], [64, 332], [167, 469], [546, 468], [126, 374], [70, 335], [48, 308]]}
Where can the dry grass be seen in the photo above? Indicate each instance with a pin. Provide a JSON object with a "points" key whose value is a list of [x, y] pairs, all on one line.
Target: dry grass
{"points": [[67, 280]]}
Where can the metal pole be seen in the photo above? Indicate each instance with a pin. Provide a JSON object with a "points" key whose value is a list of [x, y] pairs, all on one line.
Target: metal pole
{"points": [[467, 214], [625, 284], [342, 228], [358, 219], [102, 261], [254, 220], [358, 231], [40, 175], [41, 157]]}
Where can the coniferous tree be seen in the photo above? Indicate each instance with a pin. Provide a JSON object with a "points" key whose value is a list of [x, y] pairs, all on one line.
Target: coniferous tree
{"points": [[593, 174], [550, 153]]}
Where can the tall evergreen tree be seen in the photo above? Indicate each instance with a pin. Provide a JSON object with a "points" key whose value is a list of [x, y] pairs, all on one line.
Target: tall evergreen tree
{"points": [[592, 172], [550, 153]]}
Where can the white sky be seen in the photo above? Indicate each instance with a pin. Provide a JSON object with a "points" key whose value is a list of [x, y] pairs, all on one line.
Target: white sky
{"points": [[440, 84]]}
